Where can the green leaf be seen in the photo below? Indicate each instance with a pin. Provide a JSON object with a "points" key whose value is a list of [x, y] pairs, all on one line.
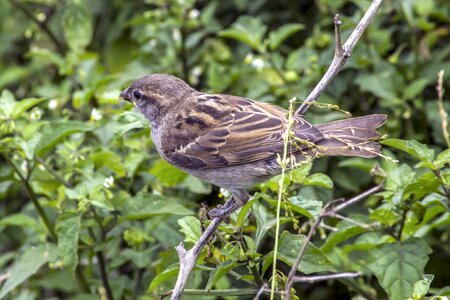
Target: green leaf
{"points": [[146, 205], [191, 228], [442, 159], [313, 260], [436, 199], [109, 160], [68, 230], [345, 231], [398, 266], [307, 207], [197, 186], [24, 105], [411, 147], [77, 26], [164, 276], [399, 177], [219, 272], [54, 132], [278, 36], [264, 220], [141, 259], [380, 84], [426, 184], [248, 30], [319, 179], [29, 146], [421, 287], [20, 220], [167, 174], [7, 103], [385, 215], [26, 265], [414, 88]]}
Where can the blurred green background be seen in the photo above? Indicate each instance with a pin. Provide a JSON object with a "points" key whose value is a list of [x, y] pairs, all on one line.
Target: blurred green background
{"points": [[72, 152]]}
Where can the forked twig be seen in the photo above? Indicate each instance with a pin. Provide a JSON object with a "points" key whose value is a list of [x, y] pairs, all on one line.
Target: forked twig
{"points": [[328, 211], [341, 54], [189, 258]]}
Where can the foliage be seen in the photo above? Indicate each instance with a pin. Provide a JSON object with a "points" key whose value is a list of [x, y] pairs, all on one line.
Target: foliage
{"points": [[89, 209]]}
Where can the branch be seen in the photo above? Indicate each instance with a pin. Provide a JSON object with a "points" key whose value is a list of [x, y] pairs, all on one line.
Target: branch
{"points": [[42, 24], [312, 279], [327, 211], [189, 258], [102, 267], [34, 200], [341, 54]]}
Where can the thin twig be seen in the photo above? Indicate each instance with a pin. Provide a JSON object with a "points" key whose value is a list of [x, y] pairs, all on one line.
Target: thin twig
{"points": [[402, 224], [312, 279], [328, 211], [102, 267], [33, 198], [341, 54], [51, 171], [42, 24]]}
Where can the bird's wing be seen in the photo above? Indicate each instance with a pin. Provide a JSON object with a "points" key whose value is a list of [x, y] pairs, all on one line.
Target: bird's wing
{"points": [[224, 130]]}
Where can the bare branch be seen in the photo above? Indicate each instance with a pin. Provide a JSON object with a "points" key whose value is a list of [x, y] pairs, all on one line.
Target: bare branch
{"points": [[312, 279], [341, 54], [189, 258]]}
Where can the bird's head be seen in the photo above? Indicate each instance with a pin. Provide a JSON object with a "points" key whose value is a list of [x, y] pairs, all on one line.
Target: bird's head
{"points": [[155, 94]]}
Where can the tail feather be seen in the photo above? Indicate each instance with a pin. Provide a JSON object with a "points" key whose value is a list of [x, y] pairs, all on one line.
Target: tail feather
{"points": [[352, 137]]}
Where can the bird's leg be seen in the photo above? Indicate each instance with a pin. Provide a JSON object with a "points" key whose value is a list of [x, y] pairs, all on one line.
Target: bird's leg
{"points": [[237, 200]]}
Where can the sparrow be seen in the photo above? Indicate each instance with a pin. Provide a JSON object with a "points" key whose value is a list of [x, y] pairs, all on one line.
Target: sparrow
{"points": [[234, 142]]}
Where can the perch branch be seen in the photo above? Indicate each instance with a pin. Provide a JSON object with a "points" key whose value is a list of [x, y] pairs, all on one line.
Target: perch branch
{"points": [[189, 258], [312, 279], [328, 211], [341, 54]]}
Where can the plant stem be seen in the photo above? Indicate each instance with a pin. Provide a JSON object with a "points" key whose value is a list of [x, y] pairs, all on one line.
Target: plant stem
{"points": [[102, 267], [34, 200], [42, 24], [283, 164], [51, 171], [341, 55]]}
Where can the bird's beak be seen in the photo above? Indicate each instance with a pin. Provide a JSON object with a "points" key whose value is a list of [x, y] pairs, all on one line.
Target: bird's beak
{"points": [[125, 95]]}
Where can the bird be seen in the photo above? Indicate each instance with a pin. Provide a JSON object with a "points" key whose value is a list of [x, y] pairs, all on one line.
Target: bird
{"points": [[234, 142]]}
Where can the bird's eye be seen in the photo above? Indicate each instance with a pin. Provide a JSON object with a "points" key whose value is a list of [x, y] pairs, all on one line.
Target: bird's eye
{"points": [[137, 95]]}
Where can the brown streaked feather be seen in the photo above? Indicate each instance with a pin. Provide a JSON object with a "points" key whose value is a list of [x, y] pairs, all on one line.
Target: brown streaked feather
{"points": [[230, 130]]}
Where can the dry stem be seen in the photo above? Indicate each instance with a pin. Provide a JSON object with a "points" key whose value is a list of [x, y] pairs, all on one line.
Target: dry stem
{"points": [[341, 54]]}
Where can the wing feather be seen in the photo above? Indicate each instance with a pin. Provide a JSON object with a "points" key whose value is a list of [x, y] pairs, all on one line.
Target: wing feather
{"points": [[231, 130]]}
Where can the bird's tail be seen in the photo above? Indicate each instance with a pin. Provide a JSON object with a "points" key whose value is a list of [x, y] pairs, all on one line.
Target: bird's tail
{"points": [[351, 137]]}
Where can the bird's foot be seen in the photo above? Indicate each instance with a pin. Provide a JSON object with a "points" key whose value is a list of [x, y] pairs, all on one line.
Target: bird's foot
{"points": [[233, 203], [223, 211]]}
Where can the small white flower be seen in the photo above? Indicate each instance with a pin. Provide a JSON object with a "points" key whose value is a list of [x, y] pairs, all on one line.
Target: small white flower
{"points": [[96, 115], [249, 58], [109, 182], [41, 167], [36, 114], [258, 64], [225, 193], [194, 13], [176, 34], [23, 166], [195, 75], [53, 104]]}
